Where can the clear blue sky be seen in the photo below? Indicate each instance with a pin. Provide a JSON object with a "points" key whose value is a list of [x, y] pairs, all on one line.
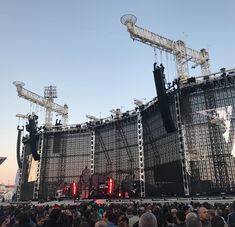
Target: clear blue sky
{"points": [[82, 48]]}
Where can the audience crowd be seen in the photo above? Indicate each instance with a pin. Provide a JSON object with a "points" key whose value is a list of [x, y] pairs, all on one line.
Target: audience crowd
{"points": [[120, 215]]}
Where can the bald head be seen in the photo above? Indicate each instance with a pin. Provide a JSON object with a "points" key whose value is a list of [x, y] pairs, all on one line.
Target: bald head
{"points": [[203, 214], [148, 219], [101, 224]]}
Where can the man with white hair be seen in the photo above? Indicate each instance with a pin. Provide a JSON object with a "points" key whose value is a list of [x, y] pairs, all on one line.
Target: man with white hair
{"points": [[148, 219], [192, 220]]}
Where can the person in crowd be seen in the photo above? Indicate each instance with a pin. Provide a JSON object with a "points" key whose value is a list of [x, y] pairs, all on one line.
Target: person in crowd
{"points": [[54, 218], [123, 221], [187, 208], [169, 220], [109, 218], [189, 215], [211, 213], [148, 220], [180, 218], [135, 217], [192, 220], [231, 216], [100, 213], [93, 217], [76, 218], [217, 221], [141, 210], [117, 215], [100, 224], [5, 221], [204, 216], [173, 214], [22, 220]]}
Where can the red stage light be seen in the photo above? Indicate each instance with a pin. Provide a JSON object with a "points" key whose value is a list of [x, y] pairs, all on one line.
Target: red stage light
{"points": [[126, 195], [74, 189], [110, 185]]}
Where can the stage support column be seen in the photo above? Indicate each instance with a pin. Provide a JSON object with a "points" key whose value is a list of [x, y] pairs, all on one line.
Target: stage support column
{"points": [[37, 182], [20, 172], [92, 163], [182, 145], [141, 155]]}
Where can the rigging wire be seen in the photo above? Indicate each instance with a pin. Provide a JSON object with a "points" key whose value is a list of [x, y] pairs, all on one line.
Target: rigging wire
{"points": [[168, 69], [176, 71], [18, 121], [172, 66], [161, 56], [30, 107], [155, 55]]}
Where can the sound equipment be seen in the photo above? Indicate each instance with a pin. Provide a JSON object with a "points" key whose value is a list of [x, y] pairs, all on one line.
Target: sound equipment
{"points": [[159, 79]]}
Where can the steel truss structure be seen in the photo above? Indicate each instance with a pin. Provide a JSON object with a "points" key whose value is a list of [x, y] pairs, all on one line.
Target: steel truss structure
{"points": [[136, 151]]}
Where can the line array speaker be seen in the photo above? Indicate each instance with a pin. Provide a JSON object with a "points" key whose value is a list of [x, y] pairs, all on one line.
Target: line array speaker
{"points": [[163, 99]]}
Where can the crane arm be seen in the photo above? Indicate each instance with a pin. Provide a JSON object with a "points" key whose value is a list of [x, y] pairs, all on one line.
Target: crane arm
{"points": [[37, 99], [150, 38], [162, 43], [183, 54]]}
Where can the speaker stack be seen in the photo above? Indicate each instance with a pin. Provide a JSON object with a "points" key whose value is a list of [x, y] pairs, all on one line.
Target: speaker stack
{"points": [[159, 79]]}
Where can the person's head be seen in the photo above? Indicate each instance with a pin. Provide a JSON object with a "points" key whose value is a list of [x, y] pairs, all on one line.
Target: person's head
{"points": [[192, 220], [123, 221], [173, 212], [180, 216], [108, 216], [100, 224], [203, 214], [141, 210], [100, 212], [22, 218], [135, 212], [55, 214], [189, 215], [232, 206], [187, 208], [211, 213], [148, 220]]}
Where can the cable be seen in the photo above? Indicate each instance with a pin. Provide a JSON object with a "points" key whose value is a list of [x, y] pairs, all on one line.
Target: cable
{"points": [[155, 55], [168, 69]]}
